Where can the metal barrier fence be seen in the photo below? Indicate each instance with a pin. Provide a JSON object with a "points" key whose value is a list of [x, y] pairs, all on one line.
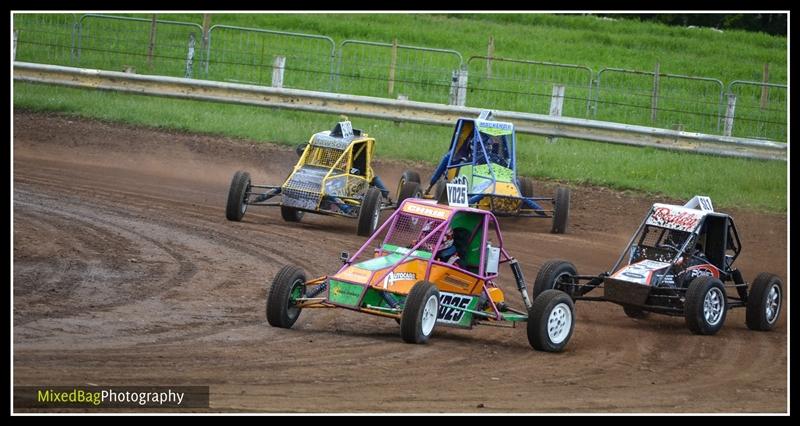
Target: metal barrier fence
{"points": [[519, 85], [137, 45], [47, 38], [391, 70], [396, 71], [252, 56], [660, 100], [757, 110]]}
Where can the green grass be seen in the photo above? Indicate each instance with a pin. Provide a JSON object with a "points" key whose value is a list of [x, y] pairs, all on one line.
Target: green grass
{"points": [[569, 39], [752, 184]]}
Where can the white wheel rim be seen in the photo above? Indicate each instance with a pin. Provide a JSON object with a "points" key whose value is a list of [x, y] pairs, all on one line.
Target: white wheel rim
{"points": [[375, 216], [773, 303], [244, 207], [559, 323], [429, 315], [713, 306]]}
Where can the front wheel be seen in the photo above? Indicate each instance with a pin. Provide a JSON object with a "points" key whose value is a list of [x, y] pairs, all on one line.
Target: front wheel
{"points": [[440, 192], [370, 212], [237, 196], [291, 214], [551, 274], [551, 320], [409, 190], [560, 211], [706, 305], [299, 149], [419, 313], [287, 286], [764, 302]]}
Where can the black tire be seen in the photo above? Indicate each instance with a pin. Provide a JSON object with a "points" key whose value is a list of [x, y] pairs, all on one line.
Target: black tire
{"points": [[291, 214], [560, 211], [440, 192], [526, 187], [370, 212], [280, 310], [762, 298], [409, 190], [549, 273], [694, 307], [299, 149], [634, 313], [407, 176], [236, 206], [550, 313], [413, 327]]}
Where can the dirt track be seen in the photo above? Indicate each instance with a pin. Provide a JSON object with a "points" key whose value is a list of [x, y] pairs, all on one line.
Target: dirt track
{"points": [[126, 272]]}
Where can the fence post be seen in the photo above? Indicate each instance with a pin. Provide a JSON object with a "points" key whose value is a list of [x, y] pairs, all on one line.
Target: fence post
{"points": [[14, 51], [190, 57], [489, 56], [278, 66], [204, 43], [392, 65], [556, 106], [729, 113], [765, 88], [461, 93], [152, 44], [654, 102]]}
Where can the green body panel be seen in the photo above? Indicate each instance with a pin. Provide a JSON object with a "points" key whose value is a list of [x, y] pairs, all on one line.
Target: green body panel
{"points": [[344, 293], [502, 174], [374, 298], [466, 318], [380, 262], [468, 221], [402, 250]]}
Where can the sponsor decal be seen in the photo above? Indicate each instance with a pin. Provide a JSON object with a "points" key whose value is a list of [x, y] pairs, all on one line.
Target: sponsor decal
{"points": [[639, 272], [398, 276], [706, 270], [449, 314], [494, 128], [345, 293], [458, 282], [674, 218], [429, 211]]}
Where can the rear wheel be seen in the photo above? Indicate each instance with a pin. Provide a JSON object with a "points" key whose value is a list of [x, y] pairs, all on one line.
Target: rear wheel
{"points": [[236, 206], [370, 212], [440, 192], [287, 286], [764, 302], [419, 313], [706, 305], [299, 149], [560, 211], [291, 214], [635, 313], [408, 176], [526, 187], [550, 274], [409, 189], [551, 321]]}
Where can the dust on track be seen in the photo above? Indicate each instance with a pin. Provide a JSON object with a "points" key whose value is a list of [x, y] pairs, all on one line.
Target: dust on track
{"points": [[126, 272]]}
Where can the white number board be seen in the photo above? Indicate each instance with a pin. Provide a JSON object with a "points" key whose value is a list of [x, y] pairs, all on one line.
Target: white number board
{"points": [[347, 129], [457, 192]]}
